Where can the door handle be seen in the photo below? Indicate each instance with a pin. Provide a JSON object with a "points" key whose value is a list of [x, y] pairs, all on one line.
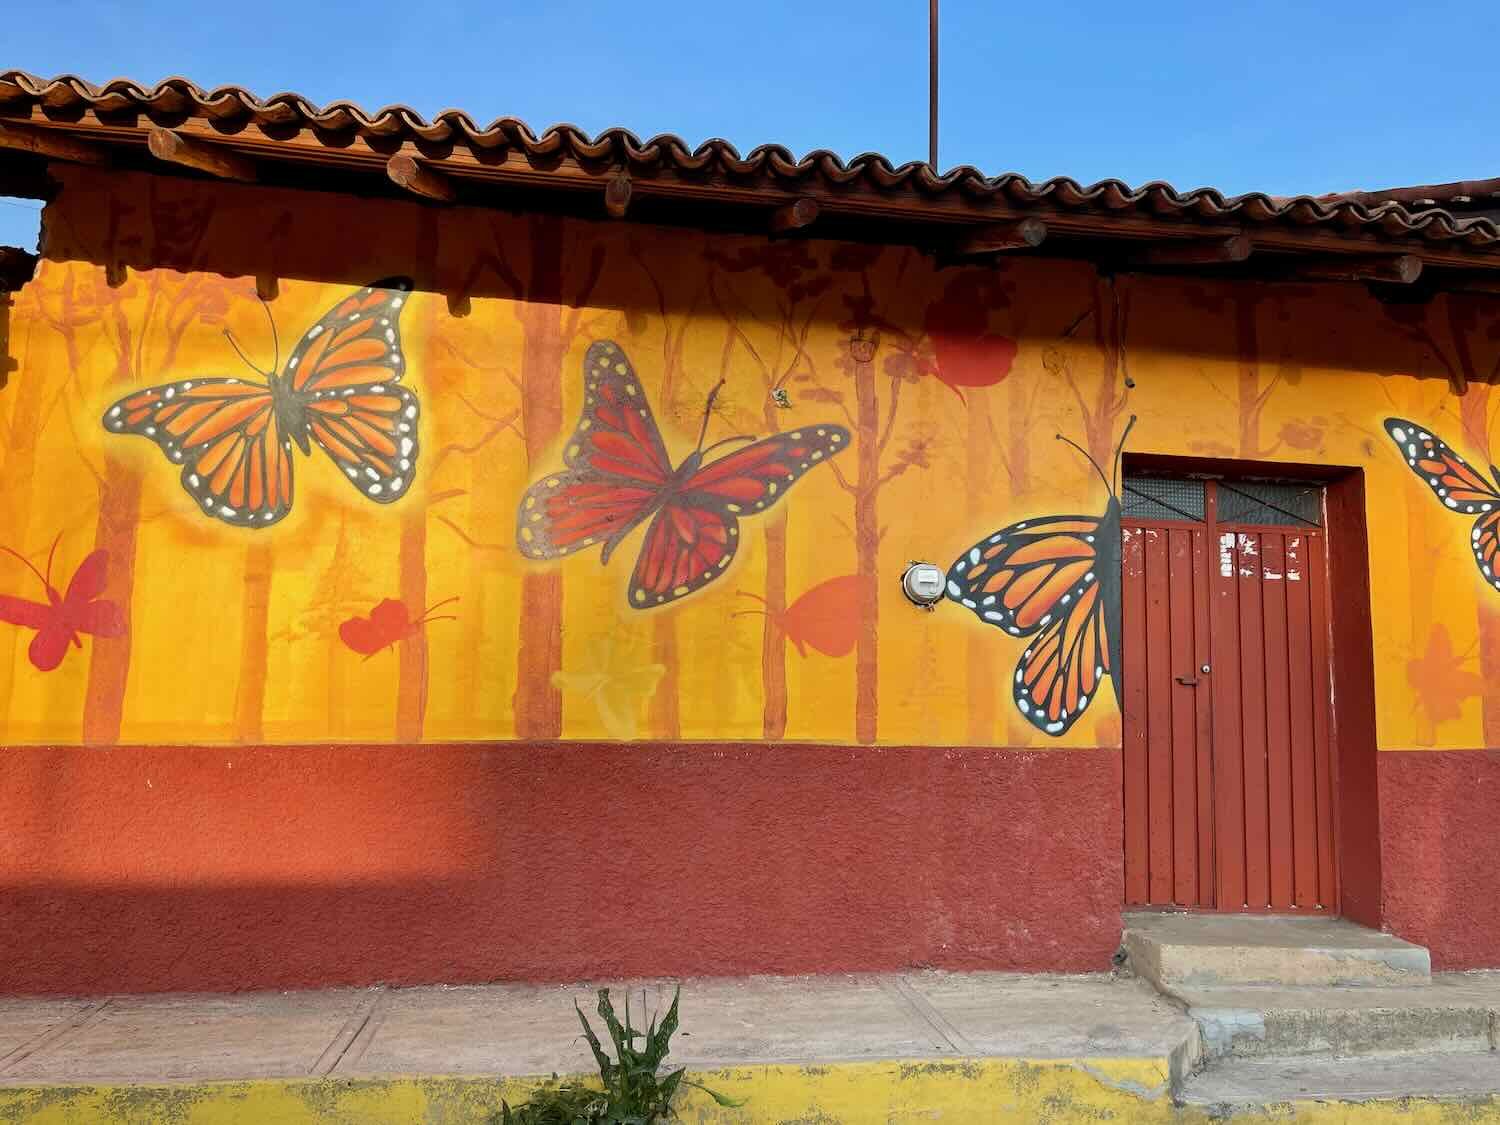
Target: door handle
{"points": [[1188, 681]]}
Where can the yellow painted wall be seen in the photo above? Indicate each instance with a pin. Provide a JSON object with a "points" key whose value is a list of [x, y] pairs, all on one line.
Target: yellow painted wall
{"points": [[234, 634]]}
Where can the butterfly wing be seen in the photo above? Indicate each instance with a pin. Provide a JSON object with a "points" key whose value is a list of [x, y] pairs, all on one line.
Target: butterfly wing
{"points": [[694, 537], [82, 611], [1457, 484], [226, 434], [370, 432], [1019, 577], [357, 342], [617, 467], [343, 376], [1050, 580], [24, 612]]}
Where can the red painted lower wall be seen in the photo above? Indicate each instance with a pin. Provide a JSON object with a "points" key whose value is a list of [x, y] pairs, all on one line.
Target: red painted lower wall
{"points": [[1440, 847], [150, 869]]}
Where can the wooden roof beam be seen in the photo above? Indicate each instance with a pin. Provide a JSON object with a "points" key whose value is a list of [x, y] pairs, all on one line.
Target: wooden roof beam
{"points": [[1196, 252], [50, 143], [997, 238], [1397, 269], [617, 194], [405, 171], [215, 160], [795, 216]]}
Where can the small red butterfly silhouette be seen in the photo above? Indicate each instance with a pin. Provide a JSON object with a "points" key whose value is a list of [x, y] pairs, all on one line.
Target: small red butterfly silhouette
{"points": [[390, 621], [826, 616], [63, 617]]}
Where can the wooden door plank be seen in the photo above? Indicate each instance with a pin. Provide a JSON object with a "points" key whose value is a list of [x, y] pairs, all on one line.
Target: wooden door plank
{"points": [[1179, 653], [1274, 630], [1229, 774], [1203, 719], [1322, 705], [1133, 707], [1252, 705], [1159, 716], [1300, 711]]}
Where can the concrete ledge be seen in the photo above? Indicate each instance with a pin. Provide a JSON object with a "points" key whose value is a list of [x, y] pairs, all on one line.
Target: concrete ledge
{"points": [[964, 1090], [1429, 1088], [1176, 951]]}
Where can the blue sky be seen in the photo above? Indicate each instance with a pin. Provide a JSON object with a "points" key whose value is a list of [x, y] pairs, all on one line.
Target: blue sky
{"points": [[1276, 96]]}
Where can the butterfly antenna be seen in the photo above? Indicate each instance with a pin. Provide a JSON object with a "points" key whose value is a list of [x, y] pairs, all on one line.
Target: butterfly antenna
{"points": [[275, 338], [50, 554], [437, 605], [27, 563], [708, 409], [235, 344], [1120, 452], [1087, 458]]}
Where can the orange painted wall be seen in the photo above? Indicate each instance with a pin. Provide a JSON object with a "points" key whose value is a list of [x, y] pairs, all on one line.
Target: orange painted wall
{"points": [[954, 385]]}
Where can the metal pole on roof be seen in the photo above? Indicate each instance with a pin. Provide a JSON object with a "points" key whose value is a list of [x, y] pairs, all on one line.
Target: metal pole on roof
{"points": [[932, 83]]}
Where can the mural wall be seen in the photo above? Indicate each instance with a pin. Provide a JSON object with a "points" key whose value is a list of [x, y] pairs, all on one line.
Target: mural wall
{"points": [[660, 485]]}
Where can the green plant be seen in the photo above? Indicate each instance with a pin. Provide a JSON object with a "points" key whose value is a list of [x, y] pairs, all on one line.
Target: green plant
{"points": [[633, 1093]]}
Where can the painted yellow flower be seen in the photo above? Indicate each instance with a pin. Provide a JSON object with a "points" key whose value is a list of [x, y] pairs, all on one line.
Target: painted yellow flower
{"points": [[616, 684]]}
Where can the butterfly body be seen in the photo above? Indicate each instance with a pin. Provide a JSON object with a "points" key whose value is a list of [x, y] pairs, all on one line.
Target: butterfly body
{"points": [[339, 391], [618, 475], [65, 618]]}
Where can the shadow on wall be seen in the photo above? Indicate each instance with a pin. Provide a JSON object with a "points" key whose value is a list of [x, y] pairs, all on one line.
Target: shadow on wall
{"points": [[156, 869]]}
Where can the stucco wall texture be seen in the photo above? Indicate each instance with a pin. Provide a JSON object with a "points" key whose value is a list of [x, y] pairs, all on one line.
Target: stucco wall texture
{"points": [[168, 868], [1438, 817]]}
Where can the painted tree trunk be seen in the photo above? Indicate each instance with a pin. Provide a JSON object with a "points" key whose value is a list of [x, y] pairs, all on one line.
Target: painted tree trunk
{"points": [[538, 702], [773, 711], [984, 684], [665, 711], [109, 657], [18, 470], [255, 602], [411, 694], [1474, 411], [1247, 356], [867, 549]]}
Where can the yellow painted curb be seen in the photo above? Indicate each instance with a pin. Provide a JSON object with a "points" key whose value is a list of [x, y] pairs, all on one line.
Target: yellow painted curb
{"points": [[1041, 1092]]}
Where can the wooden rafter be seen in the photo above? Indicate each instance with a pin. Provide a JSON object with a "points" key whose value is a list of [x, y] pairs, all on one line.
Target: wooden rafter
{"points": [[407, 172], [794, 216], [617, 194], [1196, 252], [50, 143], [996, 238], [215, 160], [1396, 269]]}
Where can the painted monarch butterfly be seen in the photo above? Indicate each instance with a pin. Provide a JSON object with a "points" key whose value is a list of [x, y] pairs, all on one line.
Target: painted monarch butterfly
{"points": [[619, 474], [233, 437], [1055, 580], [1457, 485]]}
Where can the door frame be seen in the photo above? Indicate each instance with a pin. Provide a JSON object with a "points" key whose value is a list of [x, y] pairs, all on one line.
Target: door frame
{"points": [[1356, 792]]}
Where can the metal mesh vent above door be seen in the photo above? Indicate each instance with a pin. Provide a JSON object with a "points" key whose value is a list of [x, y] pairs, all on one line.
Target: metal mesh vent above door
{"points": [[1162, 498], [1270, 503]]}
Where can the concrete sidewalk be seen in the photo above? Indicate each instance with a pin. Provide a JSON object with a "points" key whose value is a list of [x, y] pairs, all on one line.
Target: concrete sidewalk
{"points": [[978, 1046], [970, 1047]]}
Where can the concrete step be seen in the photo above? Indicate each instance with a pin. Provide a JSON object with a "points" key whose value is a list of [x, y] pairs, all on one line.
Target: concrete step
{"points": [[1230, 950], [1456, 1012], [1412, 1081]]}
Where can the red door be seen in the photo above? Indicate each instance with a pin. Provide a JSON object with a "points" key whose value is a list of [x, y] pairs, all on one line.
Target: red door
{"points": [[1228, 788]]}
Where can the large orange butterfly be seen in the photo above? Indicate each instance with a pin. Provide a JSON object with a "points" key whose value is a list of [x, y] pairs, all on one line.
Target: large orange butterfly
{"points": [[1056, 580], [1461, 488], [233, 437]]}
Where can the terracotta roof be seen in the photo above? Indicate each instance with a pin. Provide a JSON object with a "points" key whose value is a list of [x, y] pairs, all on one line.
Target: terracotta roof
{"points": [[290, 126]]}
